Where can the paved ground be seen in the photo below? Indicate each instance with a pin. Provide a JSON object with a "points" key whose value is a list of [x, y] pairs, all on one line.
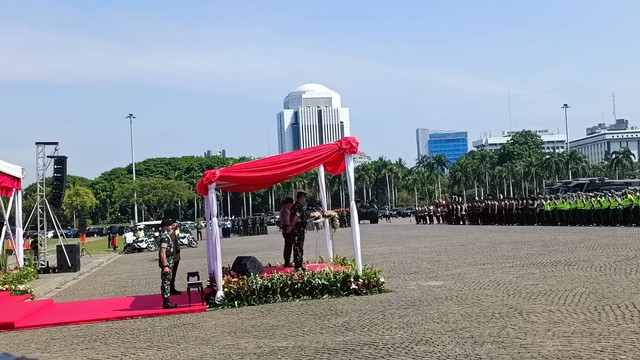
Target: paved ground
{"points": [[458, 292]]}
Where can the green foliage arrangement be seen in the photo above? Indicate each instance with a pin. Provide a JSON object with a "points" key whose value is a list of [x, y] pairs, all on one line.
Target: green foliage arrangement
{"points": [[295, 286], [16, 281]]}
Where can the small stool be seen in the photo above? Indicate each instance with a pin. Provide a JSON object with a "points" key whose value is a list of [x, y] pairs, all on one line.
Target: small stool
{"points": [[194, 282]]}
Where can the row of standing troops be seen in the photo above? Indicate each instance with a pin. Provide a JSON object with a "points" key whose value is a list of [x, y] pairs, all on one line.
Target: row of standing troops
{"points": [[575, 209]]}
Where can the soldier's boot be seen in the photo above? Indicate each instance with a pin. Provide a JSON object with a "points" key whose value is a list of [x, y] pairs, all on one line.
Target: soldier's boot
{"points": [[167, 304]]}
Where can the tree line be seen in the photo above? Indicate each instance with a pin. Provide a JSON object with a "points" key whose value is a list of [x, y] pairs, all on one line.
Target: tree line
{"points": [[165, 187]]}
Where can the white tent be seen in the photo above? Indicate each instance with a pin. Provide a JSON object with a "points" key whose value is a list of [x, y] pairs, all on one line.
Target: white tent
{"points": [[11, 187], [263, 173]]}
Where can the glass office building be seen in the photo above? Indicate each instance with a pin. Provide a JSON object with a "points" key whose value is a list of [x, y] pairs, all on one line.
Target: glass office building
{"points": [[452, 144]]}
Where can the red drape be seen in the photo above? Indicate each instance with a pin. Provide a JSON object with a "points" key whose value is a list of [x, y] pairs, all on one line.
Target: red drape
{"points": [[263, 173], [9, 183]]}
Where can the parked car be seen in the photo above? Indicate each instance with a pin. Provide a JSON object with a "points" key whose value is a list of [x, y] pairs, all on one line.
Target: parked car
{"points": [[405, 212], [50, 234], [273, 219], [72, 233], [94, 231]]}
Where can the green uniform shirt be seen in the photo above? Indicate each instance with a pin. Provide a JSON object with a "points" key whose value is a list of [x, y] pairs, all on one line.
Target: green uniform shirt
{"points": [[614, 203], [580, 204], [588, 205], [606, 203]]}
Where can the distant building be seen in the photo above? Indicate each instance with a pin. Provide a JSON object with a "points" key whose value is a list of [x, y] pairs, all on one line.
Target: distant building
{"points": [[452, 144], [312, 115], [361, 158], [222, 153], [551, 142], [603, 139]]}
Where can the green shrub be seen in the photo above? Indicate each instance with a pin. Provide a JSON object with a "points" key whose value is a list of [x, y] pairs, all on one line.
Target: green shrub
{"points": [[294, 286], [16, 281]]}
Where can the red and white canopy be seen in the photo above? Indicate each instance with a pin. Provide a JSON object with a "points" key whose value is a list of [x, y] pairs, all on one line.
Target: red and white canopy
{"points": [[10, 178], [263, 173]]}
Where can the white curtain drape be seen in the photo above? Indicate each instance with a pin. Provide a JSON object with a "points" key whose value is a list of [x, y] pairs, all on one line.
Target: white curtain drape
{"points": [[328, 233], [353, 212], [214, 258], [17, 239]]}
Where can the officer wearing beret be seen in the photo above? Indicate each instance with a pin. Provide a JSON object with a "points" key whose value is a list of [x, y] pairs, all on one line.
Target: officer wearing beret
{"points": [[165, 261]]}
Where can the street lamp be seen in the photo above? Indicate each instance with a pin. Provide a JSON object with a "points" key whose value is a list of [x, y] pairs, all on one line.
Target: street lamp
{"points": [[133, 164], [566, 125]]}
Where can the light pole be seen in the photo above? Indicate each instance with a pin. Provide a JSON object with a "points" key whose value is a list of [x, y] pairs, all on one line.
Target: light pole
{"points": [[133, 164], [566, 126]]}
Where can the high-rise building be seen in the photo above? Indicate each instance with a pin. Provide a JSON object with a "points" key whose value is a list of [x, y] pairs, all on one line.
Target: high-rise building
{"points": [[312, 115], [551, 142], [452, 144], [603, 139], [361, 158]]}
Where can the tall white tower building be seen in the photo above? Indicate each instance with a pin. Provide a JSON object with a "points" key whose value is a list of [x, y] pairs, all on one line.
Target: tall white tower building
{"points": [[312, 115]]}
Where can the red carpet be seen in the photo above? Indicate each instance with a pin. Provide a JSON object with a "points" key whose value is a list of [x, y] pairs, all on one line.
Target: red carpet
{"points": [[311, 267], [17, 314]]}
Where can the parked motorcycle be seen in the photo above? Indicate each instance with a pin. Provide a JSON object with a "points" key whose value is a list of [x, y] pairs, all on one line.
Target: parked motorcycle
{"points": [[132, 244], [188, 240]]}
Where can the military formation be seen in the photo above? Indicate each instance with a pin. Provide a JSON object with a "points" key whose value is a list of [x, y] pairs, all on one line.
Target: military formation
{"points": [[246, 226], [574, 209]]}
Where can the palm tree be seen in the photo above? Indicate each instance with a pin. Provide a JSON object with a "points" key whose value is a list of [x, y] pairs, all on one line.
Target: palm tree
{"points": [[485, 164], [413, 180], [574, 161], [460, 173], [425, 167], [441, 165], [622, 159], [510, 171], [554, 164]]}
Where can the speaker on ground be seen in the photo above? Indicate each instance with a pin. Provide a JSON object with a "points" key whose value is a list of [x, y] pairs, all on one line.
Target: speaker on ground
{"points": [[73, 251], [247, 265]]}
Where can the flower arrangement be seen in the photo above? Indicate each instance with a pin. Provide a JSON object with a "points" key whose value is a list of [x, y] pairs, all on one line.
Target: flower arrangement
{"points": [[284, 287], [330, 215], [16, 281]]}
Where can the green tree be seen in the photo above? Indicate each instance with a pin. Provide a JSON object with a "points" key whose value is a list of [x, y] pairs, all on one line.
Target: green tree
{"points": [[79, 201], [621, 160], [155, 194], [523, 145]]}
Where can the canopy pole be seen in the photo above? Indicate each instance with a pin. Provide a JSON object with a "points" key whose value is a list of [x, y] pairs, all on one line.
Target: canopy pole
{"points": [[353, 213], [328, 234], [19, 231], [214, 260], [12, 240]]}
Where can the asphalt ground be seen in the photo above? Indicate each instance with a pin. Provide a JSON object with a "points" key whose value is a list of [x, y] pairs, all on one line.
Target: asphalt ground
{"points": [[457, 292]]}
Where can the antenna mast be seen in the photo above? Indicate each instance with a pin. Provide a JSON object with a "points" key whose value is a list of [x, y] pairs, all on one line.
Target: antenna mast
{"points": [[614, 106]]}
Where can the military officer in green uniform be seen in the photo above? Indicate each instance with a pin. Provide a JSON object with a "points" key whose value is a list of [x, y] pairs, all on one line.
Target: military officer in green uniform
{"points": [[299, 224], [165, 261]]}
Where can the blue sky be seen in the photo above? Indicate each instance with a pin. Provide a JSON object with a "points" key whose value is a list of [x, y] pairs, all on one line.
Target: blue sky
{"points": [[208, 75]]}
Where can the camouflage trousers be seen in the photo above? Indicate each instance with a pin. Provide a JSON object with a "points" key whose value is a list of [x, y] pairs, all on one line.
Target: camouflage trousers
{"points": [[298, 247], [165, 284]]}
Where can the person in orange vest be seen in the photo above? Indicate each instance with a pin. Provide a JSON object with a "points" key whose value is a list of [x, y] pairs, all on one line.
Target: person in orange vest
{"points": [[9, 247]]}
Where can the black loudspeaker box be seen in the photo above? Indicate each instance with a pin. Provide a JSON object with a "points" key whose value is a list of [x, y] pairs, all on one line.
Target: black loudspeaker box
{"points": [[73, 251], [82, 226], [59, 181], [247, 265]]}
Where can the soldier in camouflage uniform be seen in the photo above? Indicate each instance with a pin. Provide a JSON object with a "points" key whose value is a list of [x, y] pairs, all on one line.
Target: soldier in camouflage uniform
{"points": [[165, 261], [299, 223]]}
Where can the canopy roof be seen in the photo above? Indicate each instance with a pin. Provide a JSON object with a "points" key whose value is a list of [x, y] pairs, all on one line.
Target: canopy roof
{"points": [[10, 178], [263, 173]]}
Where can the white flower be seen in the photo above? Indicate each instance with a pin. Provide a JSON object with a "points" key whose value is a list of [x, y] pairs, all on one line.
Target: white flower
{"points": [[353, 286], [381, 279]]}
